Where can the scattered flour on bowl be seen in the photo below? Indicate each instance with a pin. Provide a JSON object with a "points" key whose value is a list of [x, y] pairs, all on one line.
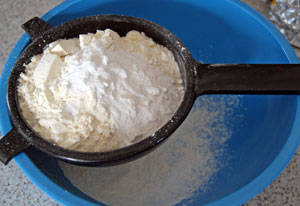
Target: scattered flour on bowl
{"points": [[100, 91], [184, 165]]}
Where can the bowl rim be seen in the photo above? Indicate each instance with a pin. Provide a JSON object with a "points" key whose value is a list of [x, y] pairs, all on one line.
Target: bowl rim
{"points": [[236, 198]]}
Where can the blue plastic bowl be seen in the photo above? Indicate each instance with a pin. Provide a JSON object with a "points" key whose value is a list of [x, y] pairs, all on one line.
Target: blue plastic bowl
{"points": [[215, 32]]}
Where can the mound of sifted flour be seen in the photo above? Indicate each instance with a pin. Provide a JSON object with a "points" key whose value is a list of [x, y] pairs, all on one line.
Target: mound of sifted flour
{"points": [[176, 173], [100, 91]]}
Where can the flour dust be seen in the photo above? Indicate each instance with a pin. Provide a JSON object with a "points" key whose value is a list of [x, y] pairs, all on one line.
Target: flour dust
{"points": [[185, 164]]}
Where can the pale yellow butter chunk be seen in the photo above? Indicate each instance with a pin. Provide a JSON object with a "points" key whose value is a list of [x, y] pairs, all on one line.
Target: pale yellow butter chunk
{"points": [[49, 67], [85, 39], [55, 126], [66, 47]]}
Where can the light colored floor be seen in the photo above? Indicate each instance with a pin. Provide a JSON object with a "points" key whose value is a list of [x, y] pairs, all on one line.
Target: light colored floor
{"points": [[16, 189]]}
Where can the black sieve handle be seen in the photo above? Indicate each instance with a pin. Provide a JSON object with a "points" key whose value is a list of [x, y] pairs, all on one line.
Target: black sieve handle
{"points": [[247, 79], [12, 144], [35, 27]]}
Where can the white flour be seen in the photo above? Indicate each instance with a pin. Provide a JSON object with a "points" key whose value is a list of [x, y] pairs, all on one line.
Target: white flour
{"points": [[186, 163], [101, 91]]}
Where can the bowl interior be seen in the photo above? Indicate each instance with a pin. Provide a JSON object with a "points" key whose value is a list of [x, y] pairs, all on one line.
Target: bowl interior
{"points": [[215, 32]]}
